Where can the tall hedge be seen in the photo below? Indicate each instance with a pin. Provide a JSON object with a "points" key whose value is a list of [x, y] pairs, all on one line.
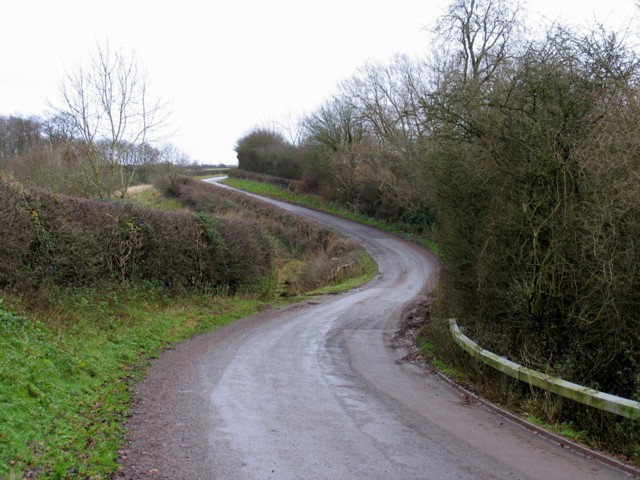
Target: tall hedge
{"points": [[45, 237]]}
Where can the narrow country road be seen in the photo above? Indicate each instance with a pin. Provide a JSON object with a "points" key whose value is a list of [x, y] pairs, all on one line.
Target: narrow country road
{"points": [[314, 391]]}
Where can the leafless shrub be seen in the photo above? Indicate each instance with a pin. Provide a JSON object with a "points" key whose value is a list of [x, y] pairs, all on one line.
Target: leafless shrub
{"points": [[249, 254], [16, 232], [73, 241], [322, 269], [230, 244]]}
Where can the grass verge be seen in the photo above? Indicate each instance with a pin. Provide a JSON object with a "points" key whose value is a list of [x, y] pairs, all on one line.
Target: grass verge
{"points": [[150, 197], [66, 370], [315, 203]]}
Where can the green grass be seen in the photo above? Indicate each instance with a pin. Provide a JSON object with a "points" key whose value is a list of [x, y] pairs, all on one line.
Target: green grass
{"points": [[208, 175], [151, 198], [67, 367], [66, 371], [315, 203], [273, 191], [428, 349]]}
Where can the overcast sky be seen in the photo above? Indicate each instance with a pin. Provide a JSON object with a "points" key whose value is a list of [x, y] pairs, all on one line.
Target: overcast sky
{"points": [[228, 66]]}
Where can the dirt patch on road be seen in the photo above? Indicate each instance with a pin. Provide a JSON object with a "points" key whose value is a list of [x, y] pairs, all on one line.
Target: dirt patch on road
{"points": [[414, 316]]}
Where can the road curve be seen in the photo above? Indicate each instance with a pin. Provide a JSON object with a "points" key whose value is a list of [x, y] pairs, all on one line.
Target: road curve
{"points": [[314, 391]]}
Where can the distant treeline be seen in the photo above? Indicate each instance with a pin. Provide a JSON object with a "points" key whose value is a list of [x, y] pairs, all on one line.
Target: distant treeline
{"points": [[46, 152]]}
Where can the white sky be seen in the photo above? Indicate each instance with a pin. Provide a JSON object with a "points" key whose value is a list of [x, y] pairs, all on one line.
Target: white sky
{"points": [[229, 66]]}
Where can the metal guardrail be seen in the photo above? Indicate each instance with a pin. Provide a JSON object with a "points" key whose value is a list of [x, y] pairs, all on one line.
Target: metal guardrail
{"points": [[593, 398]]}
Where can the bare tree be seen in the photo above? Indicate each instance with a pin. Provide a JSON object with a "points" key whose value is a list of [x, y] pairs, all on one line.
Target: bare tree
{"points": [[172, 164], [334, 126], [481, 32], [59, 129], [110, 104]]}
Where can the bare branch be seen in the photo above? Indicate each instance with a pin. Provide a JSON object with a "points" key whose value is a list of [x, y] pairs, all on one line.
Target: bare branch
{"points": [[109, 103]]}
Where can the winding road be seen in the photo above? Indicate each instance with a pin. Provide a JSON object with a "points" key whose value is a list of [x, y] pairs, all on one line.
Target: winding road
{"points": [[314, 391]]}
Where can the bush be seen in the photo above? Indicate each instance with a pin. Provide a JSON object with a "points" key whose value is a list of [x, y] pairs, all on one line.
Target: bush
{"points": [[267, 151], [73, 241], [328, 257], [537, 211], [230, 244]]}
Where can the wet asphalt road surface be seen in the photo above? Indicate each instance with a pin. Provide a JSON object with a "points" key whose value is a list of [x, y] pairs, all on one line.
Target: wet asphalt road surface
{"points": [[315, 391]]}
